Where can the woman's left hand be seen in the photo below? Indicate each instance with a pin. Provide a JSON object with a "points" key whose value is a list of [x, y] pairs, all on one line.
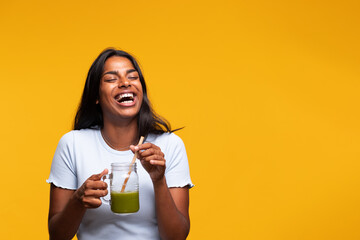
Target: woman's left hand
{"points": [[152, 159]]}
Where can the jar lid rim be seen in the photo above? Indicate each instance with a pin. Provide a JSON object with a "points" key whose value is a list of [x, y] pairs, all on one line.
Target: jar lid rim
{"points": [[120, 164]]}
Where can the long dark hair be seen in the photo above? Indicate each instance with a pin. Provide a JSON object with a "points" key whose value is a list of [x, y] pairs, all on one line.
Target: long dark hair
{"points": [[89, 113]]}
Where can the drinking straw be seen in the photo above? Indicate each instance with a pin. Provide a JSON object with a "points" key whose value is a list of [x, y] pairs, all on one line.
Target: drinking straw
{"points": [[131, 164]]}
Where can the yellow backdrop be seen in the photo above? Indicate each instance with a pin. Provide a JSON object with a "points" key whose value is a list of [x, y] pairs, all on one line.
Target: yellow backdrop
{"points": [[268, 92]]}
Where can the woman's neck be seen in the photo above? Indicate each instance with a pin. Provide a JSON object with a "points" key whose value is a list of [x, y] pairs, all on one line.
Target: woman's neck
{"points": [[121, 135]]}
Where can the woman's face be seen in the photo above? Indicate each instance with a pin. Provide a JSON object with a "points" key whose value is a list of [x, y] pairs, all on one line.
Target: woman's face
{"points": [[120, 93]]}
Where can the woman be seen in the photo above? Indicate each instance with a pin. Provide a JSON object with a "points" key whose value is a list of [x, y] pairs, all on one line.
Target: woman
{"points": [[114, 112]]}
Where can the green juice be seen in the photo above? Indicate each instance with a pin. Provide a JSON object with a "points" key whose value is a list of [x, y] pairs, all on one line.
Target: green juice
{"points": [[125, 202]]}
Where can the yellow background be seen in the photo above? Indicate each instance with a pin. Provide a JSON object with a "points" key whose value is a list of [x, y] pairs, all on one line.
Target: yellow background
{"points": [[268, 92]]}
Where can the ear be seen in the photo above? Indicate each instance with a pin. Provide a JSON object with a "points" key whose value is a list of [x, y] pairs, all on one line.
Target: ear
{"points": [[97, 101]]}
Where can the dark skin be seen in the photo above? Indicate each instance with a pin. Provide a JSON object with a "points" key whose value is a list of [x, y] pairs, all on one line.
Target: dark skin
{"points": [[172, 204], [67, 207]]}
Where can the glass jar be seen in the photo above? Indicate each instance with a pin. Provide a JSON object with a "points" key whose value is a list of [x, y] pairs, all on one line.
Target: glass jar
{"points": [[124, 188]]}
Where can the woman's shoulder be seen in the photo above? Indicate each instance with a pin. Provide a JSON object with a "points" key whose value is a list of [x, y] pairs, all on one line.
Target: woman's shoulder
{"points": [[166, 141], [163, 137], [74, 135], [85, 131]]}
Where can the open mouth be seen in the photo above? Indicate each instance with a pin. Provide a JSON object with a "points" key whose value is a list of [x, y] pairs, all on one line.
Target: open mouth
{"points": [[125, 98]]}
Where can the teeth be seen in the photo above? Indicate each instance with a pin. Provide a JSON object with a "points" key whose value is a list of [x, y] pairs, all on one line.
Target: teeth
{"points": [[124, 95]]}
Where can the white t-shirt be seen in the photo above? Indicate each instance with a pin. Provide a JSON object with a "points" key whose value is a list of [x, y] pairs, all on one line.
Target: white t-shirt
{"points": [[82, 153]]}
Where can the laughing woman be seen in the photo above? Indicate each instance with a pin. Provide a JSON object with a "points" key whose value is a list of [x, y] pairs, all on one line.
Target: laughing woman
{"points": [[114, 112]]}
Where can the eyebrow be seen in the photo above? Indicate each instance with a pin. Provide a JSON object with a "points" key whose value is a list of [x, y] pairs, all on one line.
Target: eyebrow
{"points": [[116, 72]]}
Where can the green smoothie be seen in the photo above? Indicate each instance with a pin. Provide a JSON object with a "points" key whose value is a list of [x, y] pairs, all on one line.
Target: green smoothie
{"points": [[125, 202]]}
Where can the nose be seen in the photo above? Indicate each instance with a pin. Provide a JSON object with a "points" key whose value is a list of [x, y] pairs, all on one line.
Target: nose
{"points": [[124, 83]]}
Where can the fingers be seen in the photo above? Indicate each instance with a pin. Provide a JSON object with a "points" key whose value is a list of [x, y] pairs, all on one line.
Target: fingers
{"points": [[97, 177], [150, 153], [95, 193], [92, 189], [145, 146], [134, 148], [91, 184], [91, 202], [148, 149], [157, 162], [152, 159]]}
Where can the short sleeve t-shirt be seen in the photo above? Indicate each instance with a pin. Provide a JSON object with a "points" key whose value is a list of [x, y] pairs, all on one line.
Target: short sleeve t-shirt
{"points": [[82, 153]]}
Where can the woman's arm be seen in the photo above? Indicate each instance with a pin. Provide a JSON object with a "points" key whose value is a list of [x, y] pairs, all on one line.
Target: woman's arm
{"points": [[67, 207], [65, 213], [172, 204]]}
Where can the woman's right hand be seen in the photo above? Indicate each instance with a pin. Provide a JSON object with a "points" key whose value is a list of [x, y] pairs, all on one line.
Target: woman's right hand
{"points": [[65, 213], [91, 190]]}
